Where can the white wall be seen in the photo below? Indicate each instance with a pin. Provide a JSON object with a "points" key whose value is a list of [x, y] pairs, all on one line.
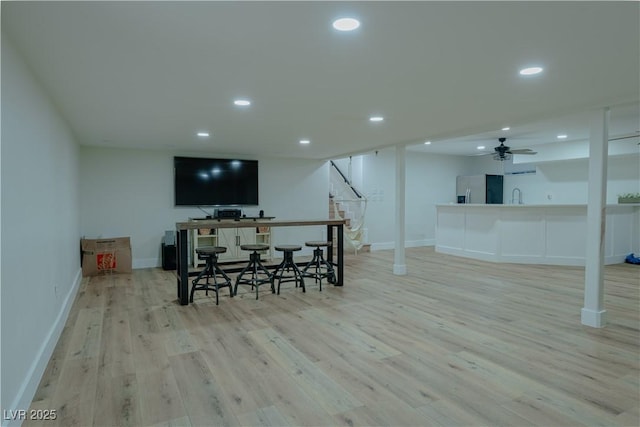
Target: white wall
{"points": [[40, 232], [130, 193], [430, 179], [565, 182]]}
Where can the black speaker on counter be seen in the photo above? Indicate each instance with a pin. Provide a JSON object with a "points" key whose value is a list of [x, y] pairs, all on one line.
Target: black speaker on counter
{"points": [[168, 257], [227, 213]]}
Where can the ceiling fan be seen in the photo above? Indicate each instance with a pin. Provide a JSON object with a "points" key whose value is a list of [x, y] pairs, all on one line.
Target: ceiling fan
{"points": [[635, 134], [504, 152]]}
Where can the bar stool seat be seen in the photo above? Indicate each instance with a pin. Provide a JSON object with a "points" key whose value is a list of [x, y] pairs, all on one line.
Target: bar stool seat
{"points": [[255, 247], [257, 273], [319, 268], [289, 267], [211, 271]]}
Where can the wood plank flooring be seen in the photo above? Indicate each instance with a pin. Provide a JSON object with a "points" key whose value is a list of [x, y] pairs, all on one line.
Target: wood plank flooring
{"points": [[456, 342]]}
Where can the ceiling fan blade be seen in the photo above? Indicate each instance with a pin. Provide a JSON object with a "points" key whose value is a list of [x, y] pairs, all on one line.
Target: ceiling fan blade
{"points": [[631, 135], [524, 151]]}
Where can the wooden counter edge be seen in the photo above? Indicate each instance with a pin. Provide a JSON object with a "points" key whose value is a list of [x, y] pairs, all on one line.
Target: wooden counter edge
{"points": [[226, 223]]}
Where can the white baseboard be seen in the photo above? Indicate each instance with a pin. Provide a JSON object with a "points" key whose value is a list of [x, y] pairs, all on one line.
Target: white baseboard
{"points": [[407, 244], [400, 269], [595, 319], [34, 375], [541, 259], [146, 263]]}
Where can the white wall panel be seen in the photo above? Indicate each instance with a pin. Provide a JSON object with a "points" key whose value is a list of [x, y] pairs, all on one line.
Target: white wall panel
{"points": [[534, 234], [621, 232], [566, 233], [481, 230], [522, 233], [450, 229]]}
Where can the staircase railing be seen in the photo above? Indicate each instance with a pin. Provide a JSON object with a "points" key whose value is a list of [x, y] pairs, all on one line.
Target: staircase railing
{"points": [[349, 204], [346, 180]]}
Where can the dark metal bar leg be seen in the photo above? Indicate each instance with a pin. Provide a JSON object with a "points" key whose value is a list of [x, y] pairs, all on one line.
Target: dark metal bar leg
{"points": [[318, 267], [227, 279], [339, 279], [183, 268], [299, 273], [279, 269], [255, 276], [244, 270], [330, 240], [205, 271]]}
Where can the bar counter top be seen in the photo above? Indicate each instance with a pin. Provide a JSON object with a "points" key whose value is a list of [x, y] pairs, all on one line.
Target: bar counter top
{"points": [[253, 222]]}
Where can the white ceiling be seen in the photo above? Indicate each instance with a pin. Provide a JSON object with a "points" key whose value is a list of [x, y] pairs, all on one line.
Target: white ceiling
{"points": [[153, 74], [624, 121]]}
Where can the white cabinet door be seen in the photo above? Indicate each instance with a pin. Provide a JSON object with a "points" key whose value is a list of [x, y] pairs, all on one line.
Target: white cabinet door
{"points": [[227, 237], [247, 235], [232, 238]]}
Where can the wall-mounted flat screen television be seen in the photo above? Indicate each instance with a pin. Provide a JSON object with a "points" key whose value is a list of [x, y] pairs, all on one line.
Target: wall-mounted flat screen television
{"points": [[201, 181]]}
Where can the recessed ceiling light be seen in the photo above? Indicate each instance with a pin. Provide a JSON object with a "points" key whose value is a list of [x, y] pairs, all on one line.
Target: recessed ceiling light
{"points": [[305, 141], [506, 128], [376, 118], [203, 134], [427, 143], [530, 71], [346, 24], [480, 147], [562, 136], [242, 102]]}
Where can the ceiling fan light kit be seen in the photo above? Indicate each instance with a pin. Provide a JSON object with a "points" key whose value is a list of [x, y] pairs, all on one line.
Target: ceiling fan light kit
{"points": [[502, 156]]}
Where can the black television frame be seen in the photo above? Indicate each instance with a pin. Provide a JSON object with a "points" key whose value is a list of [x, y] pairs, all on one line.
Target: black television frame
{"points": [[203, 181]]}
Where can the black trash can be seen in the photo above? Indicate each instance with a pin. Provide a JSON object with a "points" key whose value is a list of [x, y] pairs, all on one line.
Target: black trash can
{"points": [[168, 257]]}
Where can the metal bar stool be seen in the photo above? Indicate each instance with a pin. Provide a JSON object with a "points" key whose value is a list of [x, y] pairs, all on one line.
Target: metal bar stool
{"points": [[288, 266], [258, 273], [211, 270], [320, 267]]}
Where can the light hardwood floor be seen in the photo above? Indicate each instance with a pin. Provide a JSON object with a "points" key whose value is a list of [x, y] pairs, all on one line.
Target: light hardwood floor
{"points": [[456, 342]]}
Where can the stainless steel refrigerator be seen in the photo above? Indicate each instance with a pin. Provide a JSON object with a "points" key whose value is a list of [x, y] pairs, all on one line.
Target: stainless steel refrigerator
{"points": [[482, 189]]}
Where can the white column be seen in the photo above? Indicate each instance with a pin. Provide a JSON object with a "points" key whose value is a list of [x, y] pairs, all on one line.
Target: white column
{"points": [[399, 261], [593, 313]]}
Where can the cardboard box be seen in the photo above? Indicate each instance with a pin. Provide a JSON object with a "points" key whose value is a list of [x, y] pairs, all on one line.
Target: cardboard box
{"points": [[101, 256]]}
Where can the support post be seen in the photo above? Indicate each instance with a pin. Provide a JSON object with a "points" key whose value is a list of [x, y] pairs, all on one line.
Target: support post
{"points": [[182, 272], [593, 313], [399, 263]]}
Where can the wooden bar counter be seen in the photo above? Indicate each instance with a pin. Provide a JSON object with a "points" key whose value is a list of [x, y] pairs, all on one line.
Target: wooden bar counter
{"points": [[182, 235]]}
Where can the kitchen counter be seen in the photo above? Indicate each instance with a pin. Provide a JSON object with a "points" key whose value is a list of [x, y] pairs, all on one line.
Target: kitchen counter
{"points": [[533, 234], [484, 205]]}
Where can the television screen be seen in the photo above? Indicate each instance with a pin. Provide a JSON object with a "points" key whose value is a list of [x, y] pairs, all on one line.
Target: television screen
{"points": [[215, 182]]}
